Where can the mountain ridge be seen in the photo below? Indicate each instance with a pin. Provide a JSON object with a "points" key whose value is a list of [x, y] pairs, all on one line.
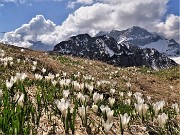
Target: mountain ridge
{"points": [[141, 37], [106, 49]]}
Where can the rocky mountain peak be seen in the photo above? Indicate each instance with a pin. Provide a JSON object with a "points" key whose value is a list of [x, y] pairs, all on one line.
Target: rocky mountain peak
{"points": [[137, 36], [106, 49]]}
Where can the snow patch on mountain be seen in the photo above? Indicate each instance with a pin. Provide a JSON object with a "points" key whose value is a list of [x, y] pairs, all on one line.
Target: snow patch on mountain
{"points": [[162, 46], [137, 36], [176, 59], [109, 51], [154, 65], [166, 47]]}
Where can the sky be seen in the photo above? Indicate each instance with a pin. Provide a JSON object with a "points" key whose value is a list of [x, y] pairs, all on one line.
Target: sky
{"points": [[52, 21]]}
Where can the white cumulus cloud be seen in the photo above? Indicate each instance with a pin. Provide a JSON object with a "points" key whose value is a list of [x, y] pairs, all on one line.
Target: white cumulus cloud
{"points": [[13, 1], [169, 28], [101, 15], [71, 4], [105, 15], [85, 1], [33, 31]]}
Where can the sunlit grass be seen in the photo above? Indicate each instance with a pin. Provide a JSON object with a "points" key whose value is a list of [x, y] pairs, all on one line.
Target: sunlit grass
{"points": [[35, 101]]}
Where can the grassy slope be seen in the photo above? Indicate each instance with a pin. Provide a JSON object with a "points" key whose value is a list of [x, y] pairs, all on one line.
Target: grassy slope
{"points": [[152, 83]]}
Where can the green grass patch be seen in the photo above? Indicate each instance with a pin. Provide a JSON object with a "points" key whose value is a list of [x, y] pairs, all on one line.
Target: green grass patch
{"points": [[171, 73], [66, 60]]}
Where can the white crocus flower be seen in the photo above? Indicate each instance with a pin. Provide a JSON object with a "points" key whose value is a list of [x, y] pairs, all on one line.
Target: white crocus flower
{"points": [[127, 101], [57, 75], [107, 126], [22, 50], [82, 111], [62, 82], [137, 94], [139, 100], [76, 85], [13, 79], [64, 74], [96, 97], [81, 86], [121, 94], [62, 106], [43, 70], [112, 91], [18, 76], [1, 93], [111, 101], [128, 84], [38, 77], [11, 63], [66, 94], [33, 68], [171, 87], [35, 63], [90, 88], [104, 109], [145, 107], [148, 98], [158, 106], [138, 108], [51, 76], [21, 100], [23, 76], [101, 97], [24, 61], [5, 64], [81, 97], [162, 119], [124, 119], [141, 109], [109, 114], [87, 98], [175, 107], [9, 84], [95, 108], [54, 82], [129, 94], [67, 82], [18, 60], [98, 83]]}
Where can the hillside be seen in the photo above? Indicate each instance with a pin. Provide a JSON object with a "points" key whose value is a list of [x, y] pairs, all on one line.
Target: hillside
{"points": [[41, 106]]}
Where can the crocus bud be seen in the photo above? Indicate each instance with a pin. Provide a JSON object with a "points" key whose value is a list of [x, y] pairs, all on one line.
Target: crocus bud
{"points": [[21, 100], [95, 108], [112, 91], [66, 94], [175, 107], [124, 119], [162, 119], [111, 101], [107, 126], [43, 70]]}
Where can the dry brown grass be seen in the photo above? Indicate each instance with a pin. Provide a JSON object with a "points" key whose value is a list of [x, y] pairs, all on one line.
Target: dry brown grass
{"points": [[151, 83]]}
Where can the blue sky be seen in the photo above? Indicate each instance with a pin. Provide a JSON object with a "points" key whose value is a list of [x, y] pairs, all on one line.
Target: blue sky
{"points": [[173, 7], [15, 13]]}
